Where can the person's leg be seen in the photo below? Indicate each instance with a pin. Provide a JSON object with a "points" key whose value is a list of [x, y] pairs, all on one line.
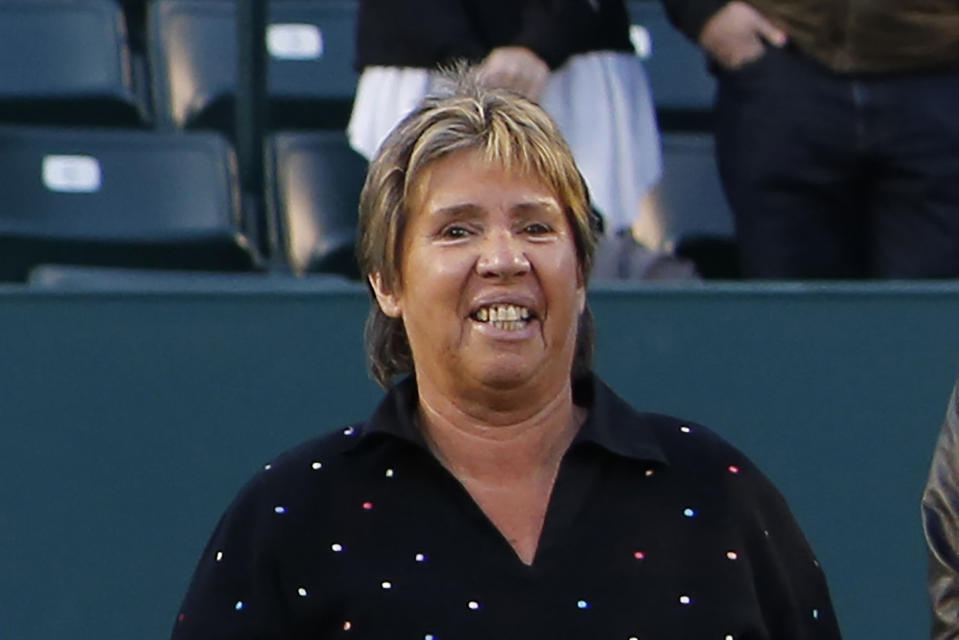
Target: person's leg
{"points": [[787, 151], [916, 190]]}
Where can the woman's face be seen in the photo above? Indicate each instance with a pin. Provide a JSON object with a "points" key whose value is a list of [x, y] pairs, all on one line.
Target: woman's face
{"points": [[491, 289]]}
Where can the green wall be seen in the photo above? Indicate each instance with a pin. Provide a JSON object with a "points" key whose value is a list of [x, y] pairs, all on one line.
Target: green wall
{"points": [[129, 419]]}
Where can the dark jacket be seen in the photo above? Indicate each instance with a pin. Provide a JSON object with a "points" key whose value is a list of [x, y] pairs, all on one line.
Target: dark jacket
{"points": [[425, 33], [940, 521], [851, 35]]}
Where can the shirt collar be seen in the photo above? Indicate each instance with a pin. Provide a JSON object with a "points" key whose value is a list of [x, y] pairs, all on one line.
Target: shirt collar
{"points": [[611, 423], [395, 415]]}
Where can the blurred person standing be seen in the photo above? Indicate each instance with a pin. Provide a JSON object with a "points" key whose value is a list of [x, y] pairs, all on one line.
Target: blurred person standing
{"points": [[574, 57], [836, 132], [940, 523]]}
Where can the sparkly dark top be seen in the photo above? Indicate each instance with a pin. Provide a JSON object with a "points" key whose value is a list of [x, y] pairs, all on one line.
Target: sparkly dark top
{"points": [[656, 530]]}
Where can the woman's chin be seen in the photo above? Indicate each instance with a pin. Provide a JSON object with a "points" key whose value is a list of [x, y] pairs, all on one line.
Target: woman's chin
{"points": [[505, 372]]}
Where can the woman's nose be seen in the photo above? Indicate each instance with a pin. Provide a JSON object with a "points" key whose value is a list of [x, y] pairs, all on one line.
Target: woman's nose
{"points": [[502, 256]]}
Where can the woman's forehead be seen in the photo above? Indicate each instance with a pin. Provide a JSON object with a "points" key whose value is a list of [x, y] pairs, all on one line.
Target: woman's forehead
{"points": [[465, 165]]}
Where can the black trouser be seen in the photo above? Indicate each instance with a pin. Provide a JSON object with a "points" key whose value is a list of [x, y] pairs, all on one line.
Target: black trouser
{"points": [[839, 176]]}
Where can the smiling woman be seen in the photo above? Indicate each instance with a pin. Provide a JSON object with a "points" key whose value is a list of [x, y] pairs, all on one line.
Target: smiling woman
{"points": [[483, 242], [505, 134], [500, 490]]}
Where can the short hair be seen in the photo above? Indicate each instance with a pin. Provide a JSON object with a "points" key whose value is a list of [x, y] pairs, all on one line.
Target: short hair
{"points": [[509, 131]]}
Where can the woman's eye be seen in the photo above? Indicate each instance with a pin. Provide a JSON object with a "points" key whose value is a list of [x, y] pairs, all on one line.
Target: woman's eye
{"points": [[455, 231], [537, 228]]}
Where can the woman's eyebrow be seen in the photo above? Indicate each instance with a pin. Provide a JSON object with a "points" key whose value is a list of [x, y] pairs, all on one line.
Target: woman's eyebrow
{"points": [[468, 208], [457, 210], [537, 205]]}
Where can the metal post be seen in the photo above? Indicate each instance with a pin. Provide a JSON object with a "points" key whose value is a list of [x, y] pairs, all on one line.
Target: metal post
{"points": [[251, 111]]}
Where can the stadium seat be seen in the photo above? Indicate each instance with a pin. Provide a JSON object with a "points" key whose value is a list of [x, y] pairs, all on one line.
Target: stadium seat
{"points": [[687, 212], [119, 198], [678, 73], [192, 50], [314, 188], [66, 63]]}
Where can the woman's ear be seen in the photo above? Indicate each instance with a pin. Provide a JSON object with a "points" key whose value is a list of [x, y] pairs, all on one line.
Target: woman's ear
{"points": [[389, 302]]}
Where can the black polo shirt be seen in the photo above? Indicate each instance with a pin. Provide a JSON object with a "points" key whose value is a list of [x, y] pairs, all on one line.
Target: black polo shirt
{"points": [[656, 529]]}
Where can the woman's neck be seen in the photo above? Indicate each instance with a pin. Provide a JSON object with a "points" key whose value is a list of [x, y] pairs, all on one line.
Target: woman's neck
{"points": [[506, 455], [513, 442]]}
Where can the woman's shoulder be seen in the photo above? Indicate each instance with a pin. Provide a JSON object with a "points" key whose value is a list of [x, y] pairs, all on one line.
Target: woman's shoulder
{"points": [[699, 453], [683, 443], [689, 437], [328, 452], [336, 442], [303, 472], [692, 447]]}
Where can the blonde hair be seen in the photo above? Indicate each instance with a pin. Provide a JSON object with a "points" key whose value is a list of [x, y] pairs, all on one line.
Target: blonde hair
{"points": [[509, 131]]}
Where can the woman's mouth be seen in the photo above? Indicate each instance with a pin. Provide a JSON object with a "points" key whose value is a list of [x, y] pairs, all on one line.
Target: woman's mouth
{"points": [[509, 317]]}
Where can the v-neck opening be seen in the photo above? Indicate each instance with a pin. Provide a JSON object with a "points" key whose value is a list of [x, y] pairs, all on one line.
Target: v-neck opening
{"points": [[567, 497]]}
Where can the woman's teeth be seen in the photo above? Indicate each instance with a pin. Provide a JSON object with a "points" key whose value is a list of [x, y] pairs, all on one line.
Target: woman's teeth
{"points": [[504, 316]]}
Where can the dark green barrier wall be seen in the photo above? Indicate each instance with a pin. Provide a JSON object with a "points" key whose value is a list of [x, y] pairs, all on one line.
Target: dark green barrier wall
{"points": [[129, 420]]}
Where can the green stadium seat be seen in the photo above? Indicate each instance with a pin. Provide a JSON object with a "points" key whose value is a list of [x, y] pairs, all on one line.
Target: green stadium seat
{"points": [[67, 63], [192, 51], [119, 197], [314, 187]]}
